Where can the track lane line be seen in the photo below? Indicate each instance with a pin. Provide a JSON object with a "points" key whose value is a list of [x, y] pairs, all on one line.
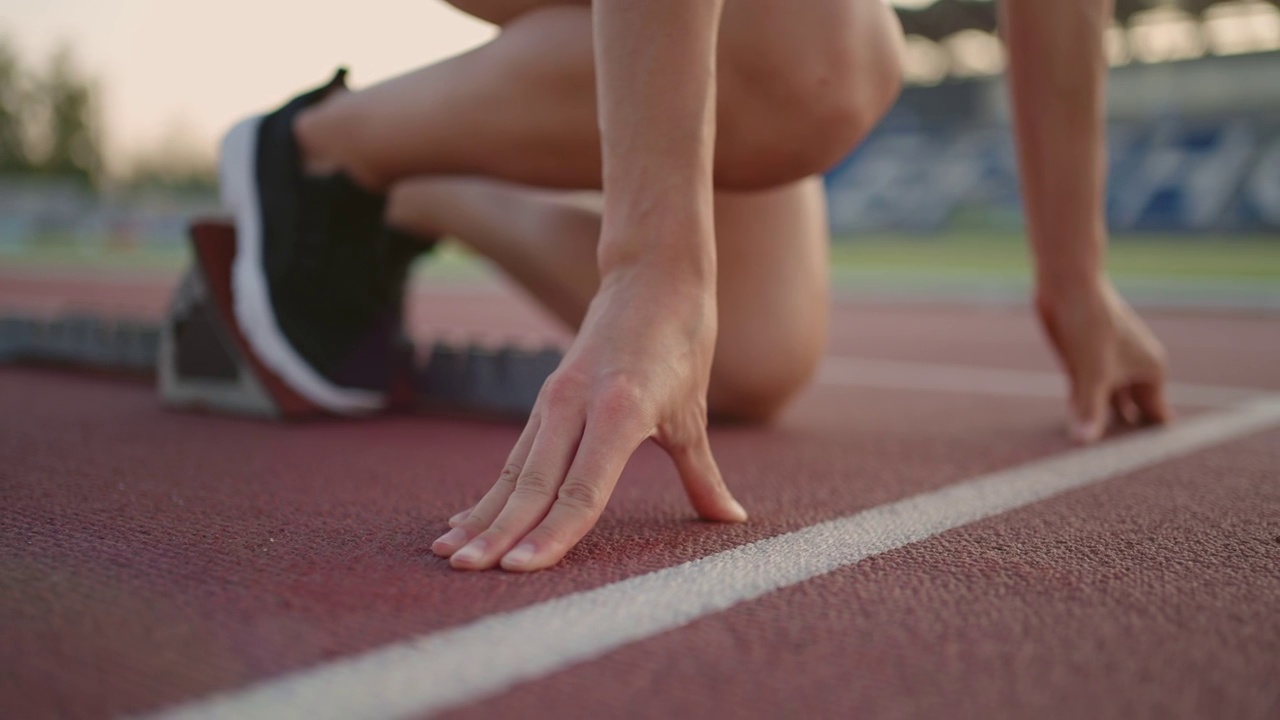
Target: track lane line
{"points": [[850, 371], [436, 672]]}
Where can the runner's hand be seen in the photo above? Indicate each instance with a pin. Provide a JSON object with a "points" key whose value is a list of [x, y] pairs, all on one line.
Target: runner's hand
{"points": [[638, 369], [1111, 358]]}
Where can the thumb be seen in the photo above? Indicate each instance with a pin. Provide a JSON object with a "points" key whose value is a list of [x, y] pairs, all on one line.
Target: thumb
{"points": [[1089, 403], [703, 483]]}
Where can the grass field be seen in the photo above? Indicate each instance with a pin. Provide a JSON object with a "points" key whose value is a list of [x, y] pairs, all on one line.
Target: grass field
{"points": [[451, 261], [1148, 256], [1191, 270]]}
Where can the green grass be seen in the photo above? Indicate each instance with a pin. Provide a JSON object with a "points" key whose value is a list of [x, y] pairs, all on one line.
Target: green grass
{"points": [[949, 259], [449, 262], [74, 257], [1252, 259]]}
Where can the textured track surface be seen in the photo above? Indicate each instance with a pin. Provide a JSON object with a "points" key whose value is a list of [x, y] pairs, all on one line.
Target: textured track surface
{"points": [[151, 558], [1153, 595]]}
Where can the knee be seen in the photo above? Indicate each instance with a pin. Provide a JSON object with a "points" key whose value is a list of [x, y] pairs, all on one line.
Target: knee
{"points": [[858, 83], [803, 113], [747, 390]]}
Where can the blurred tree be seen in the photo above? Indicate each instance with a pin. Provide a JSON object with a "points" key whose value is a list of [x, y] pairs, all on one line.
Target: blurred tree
{"points": [[14, 157], [73, 135], [180, 161], [50, 122]]}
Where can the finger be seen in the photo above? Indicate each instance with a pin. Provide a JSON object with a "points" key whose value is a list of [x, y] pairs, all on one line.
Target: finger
{"points": [[532, 497], [1123, 407], [483, 513], [601, 456], [1149, 396], [703, 482], [1089, 405], [456, 520]]}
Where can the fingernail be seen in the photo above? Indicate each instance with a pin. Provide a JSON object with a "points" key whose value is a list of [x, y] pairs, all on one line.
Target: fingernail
{"points": [[739, 511], [459, 518], [453, 538], [1085, 431], [521, 556], [469, 554]]}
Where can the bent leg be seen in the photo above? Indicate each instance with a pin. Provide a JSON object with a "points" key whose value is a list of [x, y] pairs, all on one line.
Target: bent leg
{"points": [[772, 282], [798, 84]]}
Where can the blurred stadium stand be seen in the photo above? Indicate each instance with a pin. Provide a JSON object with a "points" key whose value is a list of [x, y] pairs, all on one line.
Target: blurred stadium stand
{"points": [[68, 214], [939, 19], [1201, 155], [1194, 112], [1194, 108]]}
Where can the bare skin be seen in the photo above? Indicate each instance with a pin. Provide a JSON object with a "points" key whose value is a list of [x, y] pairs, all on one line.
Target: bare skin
{"points": [[1058, 77], [640, 366], [772, 296], [666, 103], [797, 85]]}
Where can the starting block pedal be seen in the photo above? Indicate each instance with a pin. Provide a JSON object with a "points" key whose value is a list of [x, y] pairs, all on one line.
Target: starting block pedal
{"points": [[205, 363], [200, 366]]}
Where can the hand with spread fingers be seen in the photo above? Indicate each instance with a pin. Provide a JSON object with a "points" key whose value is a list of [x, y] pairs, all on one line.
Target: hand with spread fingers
{"points": [[638, 370], [640, 365], [1057, 84], [1115, 365]]}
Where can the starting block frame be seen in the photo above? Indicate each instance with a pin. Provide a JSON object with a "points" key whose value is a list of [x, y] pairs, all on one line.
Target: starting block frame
{"points": [[201, 362]]}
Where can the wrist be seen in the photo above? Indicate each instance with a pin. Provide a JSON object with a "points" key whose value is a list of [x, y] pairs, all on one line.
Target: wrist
{"points": [[678, 279], [681, 249], [664, 288], [1058, 289], [1070, 259]]}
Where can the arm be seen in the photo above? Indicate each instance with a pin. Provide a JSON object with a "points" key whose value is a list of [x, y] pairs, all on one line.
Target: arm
{"points": [[1057, 78], [640, 365], [655, 77]]}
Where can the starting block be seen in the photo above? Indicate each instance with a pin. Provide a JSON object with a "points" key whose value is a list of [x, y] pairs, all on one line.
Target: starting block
{"points": [[204, 363], [81, 341], [200, 360], [200, 365], [482, 381]]}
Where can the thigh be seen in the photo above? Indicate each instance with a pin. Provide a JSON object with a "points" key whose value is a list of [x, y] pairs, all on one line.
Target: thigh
{"points": [[798, 83], [773, 272], [500, 12]]}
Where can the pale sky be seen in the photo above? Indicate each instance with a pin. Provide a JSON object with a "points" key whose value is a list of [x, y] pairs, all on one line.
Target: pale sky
{"points": [[190, 68], [196, 66]]}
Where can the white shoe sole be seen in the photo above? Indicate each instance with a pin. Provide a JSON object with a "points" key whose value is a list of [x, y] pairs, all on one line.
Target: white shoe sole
{"points": [[238, 178]]}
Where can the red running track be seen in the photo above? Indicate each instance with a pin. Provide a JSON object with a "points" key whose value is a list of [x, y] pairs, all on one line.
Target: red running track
{"points": [[152, 558]]}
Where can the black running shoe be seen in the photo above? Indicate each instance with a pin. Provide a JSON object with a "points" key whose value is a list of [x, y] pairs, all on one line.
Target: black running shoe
{"points": [[318, 282]]}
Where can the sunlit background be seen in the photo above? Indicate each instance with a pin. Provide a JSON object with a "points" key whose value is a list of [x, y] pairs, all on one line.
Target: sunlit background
{"points": [[181, 72], [110, 111]]}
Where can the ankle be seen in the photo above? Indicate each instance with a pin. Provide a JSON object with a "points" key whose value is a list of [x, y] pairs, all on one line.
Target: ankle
{"points": [[318, 131], [413, 206], [310, 131]]}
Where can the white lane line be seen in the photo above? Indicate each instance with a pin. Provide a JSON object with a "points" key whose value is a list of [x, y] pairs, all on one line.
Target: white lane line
{"points": [[923, 376], [435, 672]]}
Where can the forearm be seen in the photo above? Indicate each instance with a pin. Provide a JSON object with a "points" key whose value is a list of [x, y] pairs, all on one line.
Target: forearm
{"points": [[655, 70], [1057, 78]]}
